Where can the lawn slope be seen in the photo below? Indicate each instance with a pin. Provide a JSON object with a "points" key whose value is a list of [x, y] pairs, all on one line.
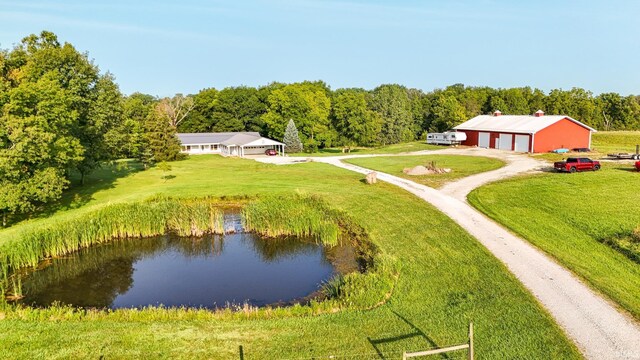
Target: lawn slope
{"points": [[446, 280], [570, 216]]}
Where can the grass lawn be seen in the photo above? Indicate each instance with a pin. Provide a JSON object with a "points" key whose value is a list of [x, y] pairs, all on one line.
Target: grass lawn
{"points": [[615, 141], [387, 149], [568, 215], [460, 165], [446, 280]]}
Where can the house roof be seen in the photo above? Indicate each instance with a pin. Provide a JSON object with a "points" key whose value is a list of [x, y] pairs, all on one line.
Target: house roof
{"points": [[209, 138], [525, 124], [226, 138]]}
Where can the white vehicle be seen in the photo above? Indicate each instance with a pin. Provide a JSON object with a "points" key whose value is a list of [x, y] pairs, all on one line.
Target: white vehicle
{"points": [[446, 138]]}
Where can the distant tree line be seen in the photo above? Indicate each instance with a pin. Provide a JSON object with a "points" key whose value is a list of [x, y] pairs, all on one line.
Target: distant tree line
{"points": [[389, 113], [60, 115]]}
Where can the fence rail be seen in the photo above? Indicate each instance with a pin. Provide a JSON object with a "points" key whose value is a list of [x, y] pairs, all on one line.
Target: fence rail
{"points": [[468, 345]]}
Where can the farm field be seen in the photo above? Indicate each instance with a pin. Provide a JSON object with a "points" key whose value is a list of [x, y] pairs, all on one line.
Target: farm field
{"points": [[460, 165], [446, 280], [573, 217]]}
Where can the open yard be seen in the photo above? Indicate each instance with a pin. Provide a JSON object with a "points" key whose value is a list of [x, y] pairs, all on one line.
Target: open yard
{"points": [[582, 220], [615, 141], [385, 149], [460, 165], [446, 280]]}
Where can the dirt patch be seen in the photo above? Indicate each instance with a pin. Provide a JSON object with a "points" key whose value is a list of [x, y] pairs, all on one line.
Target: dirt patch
{"points": [[430, 169]]}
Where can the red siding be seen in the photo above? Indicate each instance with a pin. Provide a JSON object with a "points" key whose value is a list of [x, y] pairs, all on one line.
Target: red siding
{"points": [[472, 138], [563, 134]]}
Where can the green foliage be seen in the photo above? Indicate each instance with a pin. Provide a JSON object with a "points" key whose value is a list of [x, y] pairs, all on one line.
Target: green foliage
{"points": [[125, 138], [37, 145], [309, 104], [355, 123], [447, 113], [191, 217], [160, 137], [165, 168], [393, 105], [297, 215], [291, 139]]}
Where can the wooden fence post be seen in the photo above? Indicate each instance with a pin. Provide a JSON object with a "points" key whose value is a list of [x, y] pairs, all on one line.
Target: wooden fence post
{"points": [[471, 341]]}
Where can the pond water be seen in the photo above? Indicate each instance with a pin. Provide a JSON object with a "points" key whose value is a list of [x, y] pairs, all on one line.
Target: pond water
{"points": [[209, 272]]}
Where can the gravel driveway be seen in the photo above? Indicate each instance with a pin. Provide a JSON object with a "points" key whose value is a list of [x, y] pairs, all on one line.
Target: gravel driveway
{"points": [[596, 326]]}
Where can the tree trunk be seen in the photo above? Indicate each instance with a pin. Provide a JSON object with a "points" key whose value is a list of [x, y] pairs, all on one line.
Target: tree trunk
{"points": [[4, 219]]}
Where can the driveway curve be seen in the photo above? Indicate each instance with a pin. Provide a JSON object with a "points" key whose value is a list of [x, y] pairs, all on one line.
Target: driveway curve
{"points": [[596, 326]]}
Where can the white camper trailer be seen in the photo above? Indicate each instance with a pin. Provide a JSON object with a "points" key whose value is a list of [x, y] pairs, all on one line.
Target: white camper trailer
{"points": [[446, 138]]}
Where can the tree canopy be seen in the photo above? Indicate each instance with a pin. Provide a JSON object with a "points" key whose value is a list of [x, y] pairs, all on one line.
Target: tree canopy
{"points": [[60, 115]]}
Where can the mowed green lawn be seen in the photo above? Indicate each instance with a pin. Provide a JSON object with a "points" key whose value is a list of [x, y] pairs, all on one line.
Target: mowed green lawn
{"points": [[460, 165], [446, 280], [386, 149], [615, 141], [567, 214]]}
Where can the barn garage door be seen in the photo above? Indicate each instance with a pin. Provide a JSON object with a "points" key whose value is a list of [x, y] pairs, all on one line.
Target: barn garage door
{"points": [[522, 143], [483, 140], [505, 142]]}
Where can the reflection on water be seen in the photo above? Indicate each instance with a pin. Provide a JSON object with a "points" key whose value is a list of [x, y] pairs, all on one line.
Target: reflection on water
{"points": [[211, 271]]}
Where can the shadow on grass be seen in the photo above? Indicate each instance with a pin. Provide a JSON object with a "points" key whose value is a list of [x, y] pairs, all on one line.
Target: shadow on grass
{"points": [[414, 332], [79, 194], [631, 168]]}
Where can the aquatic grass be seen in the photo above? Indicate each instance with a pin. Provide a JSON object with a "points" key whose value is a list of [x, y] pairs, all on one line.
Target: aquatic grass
{"points": [[300, 215], [185, 217], [439, 260]]}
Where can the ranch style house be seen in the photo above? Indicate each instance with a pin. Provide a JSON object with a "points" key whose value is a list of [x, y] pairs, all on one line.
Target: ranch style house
{"points": [[238, 144]]}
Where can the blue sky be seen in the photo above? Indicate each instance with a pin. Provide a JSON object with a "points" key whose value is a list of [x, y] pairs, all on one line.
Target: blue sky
{"points": [[164, 47]]}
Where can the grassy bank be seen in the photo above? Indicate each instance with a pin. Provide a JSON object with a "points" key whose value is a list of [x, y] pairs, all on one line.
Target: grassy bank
{"points": [[576, 218], [192, 217], [446, 279], [296, 214], [460, 165]]}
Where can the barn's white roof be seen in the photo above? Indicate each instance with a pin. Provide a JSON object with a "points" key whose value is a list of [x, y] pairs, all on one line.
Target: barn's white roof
{"points": [[524, 124]]}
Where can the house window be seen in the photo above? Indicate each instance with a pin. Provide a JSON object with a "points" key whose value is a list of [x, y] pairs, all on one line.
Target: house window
{"points": [[214, 146]]}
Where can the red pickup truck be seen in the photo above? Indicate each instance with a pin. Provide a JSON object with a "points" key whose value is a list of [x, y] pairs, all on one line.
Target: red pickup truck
{"points": [[576, 164], [638, 165]]}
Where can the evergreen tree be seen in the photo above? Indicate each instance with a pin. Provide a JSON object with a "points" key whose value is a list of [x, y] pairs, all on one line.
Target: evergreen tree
{"points": [[291, 138], [160, 137]]}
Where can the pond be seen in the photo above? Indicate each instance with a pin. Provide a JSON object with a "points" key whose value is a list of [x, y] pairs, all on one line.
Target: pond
{"points": [[213, 271]]}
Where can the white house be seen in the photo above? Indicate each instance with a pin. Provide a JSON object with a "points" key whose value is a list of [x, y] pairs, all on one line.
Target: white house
{"points": [[228, 143]]}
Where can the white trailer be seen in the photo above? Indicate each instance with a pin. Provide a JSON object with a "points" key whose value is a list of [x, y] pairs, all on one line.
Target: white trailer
{"points": [[446, 138]]}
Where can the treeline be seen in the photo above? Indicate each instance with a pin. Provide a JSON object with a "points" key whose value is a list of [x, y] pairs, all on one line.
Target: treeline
{"points": [[389, 114], [60, 115]]}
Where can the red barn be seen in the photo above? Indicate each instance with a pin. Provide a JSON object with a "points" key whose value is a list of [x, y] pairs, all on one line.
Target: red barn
{"points": [[526, 133]]}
